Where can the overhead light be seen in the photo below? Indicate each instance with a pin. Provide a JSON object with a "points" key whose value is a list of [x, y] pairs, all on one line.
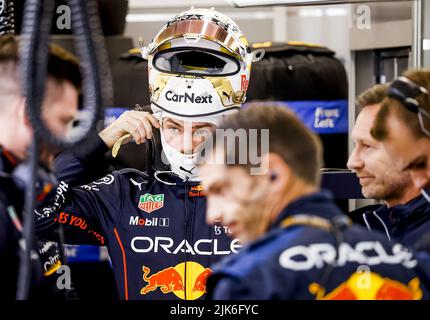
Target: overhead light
{"points": [[336, 12], [148, 17], [250, 3], [426, 44], [319, 12], [310, 13], [157, 17]]}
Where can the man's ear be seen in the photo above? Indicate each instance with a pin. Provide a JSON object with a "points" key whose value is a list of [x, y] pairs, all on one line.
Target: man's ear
{"points": [[279, 173], [22, 113]]}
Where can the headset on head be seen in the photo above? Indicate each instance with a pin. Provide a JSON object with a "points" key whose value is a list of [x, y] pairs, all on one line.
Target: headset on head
{"points": [[406, 91]]}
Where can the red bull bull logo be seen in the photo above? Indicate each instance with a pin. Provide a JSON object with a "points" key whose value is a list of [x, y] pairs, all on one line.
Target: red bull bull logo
{"points": [[196, 191], [167, 280], [373, 287], [171, 280], [197, 188], [200, 283]]}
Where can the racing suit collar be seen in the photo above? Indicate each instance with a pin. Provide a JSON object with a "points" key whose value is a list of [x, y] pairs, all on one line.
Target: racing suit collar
{"points": [[171, 178], [397, 216], [318, 204]]}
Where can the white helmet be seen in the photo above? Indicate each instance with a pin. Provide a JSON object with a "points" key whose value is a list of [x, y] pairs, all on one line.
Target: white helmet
{"points": [[199, 66]]}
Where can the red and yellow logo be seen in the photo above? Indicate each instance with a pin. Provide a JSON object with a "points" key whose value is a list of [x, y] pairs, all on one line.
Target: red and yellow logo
{"points": [[370, 286], [171, 280], [196, 191]]}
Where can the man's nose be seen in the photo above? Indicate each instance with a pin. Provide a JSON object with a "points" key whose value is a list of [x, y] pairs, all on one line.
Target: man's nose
{"points": [[191, 143], [187, 139], [354, 161]]}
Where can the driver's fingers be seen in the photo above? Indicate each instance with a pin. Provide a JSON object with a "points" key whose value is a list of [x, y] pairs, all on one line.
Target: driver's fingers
{"points": [[135, 128]]}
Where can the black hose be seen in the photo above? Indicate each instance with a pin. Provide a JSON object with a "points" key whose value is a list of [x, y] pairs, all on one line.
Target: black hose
{"points": [[97, 91], [7, 22], [89, 40], [33, 55], [24, 272]]}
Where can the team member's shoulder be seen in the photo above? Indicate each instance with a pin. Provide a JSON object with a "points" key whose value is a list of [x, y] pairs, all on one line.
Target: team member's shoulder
{"points": [[102, 183], [251, 277], [119, 178], [256, 256]]}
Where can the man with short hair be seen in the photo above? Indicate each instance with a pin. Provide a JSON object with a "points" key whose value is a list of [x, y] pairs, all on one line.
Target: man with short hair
{"points": [[58, 111], [297, 243], [403, 125], [405, 215]]}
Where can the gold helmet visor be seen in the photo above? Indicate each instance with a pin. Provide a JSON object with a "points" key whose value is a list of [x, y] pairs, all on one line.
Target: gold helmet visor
{"points": [[195, 29]]}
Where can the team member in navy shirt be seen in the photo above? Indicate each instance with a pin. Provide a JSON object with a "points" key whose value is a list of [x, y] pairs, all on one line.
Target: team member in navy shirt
{"points": [[298, 244]]}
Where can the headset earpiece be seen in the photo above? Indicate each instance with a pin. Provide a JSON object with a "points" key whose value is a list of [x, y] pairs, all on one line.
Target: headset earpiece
{"points": [[273, 176]]}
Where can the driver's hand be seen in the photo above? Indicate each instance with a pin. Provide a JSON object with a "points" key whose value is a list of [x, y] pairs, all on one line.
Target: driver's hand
{"points": [[136, 123]]}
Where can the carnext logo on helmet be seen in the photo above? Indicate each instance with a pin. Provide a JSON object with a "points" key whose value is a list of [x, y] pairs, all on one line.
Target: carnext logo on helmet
{"points": [[171, 96]]}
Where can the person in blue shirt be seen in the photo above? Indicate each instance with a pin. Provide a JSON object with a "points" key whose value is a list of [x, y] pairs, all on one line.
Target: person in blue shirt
{"points": [[404, 215], [403, 127], [297, 243]]}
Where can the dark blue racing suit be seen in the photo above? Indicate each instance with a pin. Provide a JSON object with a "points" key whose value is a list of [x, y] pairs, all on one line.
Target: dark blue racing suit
{"points": [[304, 256], [46, 259], [154, 226], [406, 223]]}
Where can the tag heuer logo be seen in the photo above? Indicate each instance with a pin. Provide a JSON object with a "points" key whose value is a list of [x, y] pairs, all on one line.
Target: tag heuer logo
{"points": [[149, 202]]}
